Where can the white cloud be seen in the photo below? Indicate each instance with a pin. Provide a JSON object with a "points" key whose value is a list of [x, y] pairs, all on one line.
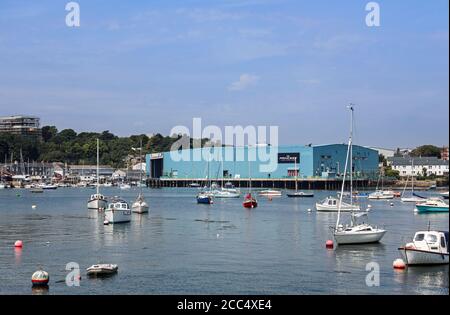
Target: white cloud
{"points": [[245, 80]]}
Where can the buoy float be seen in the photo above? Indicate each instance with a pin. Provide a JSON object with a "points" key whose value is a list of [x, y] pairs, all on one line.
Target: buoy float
{"points": [[369, 206], [399, 264], [40, 278], [329, 244], [33, 206], [18, 244], [392, 204], [309, 210], [106, 222]]}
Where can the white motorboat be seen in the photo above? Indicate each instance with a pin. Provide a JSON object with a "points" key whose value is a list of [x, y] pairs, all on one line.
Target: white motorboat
{"points": [[270, 193], [102, 269], [118, 211], [140, 206], [124, 186], [2, 186], [107, 184], [433, 204], [331, 204], [225, 193], [47, 186], [427, 248], [354, 233], [381, 194]]}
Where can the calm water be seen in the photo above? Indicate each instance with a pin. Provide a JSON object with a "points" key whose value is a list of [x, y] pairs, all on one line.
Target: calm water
{"points": [[181, 247]]}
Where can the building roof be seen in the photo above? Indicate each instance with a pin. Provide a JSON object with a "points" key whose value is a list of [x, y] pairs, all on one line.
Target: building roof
{"points": [[431, 160]]}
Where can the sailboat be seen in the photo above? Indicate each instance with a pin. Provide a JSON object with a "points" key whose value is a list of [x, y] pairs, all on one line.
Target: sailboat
{"points": [[206, 196], [250, 202], [298, 194], [379, 194], [414, 197], [139, 205], [355, 233], [226, 192], [97, 200]]}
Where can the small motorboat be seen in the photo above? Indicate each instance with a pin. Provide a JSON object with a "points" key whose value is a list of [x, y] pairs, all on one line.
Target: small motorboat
{"points": [[124, 186], [204, 198], [444, 194], [102, 270], [427, 248], [301, 194], [97, 201], [432, 205], [36, 190], [48, 186], [270, 193], [250, 202], [225, 193], [40, 278], [118, 211], [140, 205], [331, 204], [381, 194]]}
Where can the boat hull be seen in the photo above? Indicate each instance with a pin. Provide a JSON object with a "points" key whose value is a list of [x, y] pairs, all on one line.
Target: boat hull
{"points": [[204, 200], [97, 204], [139, 208], [250, 203], [411, 199], [117, 216], [327, 208], [301, 195], [420, 257], [343, 238], [427, 209]]}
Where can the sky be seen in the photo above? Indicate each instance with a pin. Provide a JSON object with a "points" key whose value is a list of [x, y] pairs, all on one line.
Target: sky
{"points": [[137, 67]]}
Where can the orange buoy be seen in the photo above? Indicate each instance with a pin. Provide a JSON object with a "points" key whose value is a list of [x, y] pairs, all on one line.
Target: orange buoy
{"points": [[18, 244], [399, 264], [329, 244]]}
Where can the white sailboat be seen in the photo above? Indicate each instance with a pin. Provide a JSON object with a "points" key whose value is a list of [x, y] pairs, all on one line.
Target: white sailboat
{"points": [[354, 233], [413, 197], [381, 194], [140, 206], [97, 200], [224, 192]]}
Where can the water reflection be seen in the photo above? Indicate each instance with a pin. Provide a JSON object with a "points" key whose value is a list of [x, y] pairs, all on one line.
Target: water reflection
{"points": [[18, 255], [40, 290], [426, 279]]}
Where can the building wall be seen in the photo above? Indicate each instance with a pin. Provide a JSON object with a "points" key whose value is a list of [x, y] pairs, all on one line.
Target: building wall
{"points": [[21, 125], [314, 161]]}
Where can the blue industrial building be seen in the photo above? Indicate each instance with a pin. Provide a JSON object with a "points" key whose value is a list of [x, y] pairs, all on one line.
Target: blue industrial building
{"points": [[314, 161]]}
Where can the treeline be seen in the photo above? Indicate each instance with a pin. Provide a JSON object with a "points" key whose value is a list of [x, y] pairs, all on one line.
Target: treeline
{"points": [[81, 148]]}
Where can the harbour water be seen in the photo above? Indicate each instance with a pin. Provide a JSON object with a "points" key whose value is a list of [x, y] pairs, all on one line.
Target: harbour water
{"points": [[182, 247]]}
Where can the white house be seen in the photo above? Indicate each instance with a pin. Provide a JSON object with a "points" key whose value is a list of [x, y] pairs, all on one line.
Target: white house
{"points": [[408, 166]]}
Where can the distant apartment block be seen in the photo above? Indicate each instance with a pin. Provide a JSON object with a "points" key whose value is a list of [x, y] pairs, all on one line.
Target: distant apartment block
{"points": [[21, 125], [418, 166]]}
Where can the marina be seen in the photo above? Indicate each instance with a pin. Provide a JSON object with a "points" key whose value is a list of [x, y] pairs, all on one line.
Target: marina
{"points": [[181, 247]]}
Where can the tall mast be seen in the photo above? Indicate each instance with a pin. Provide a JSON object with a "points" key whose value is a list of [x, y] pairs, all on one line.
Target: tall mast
{"points": [[412, 175], [249, 172], [343, 184], [351, 153], [296, 174], [98, 183], [140, 168]]}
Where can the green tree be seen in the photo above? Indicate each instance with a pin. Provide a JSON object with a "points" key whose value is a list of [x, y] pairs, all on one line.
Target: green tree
{"points": [[427, 150]]}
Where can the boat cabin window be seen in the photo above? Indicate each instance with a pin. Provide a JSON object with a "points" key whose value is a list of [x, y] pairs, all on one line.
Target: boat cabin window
{"points": [[419, 237], [431, 238], [443, 243]]}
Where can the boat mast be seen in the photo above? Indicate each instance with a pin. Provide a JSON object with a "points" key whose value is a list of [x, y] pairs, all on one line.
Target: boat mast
{"points": [[412, 176], [343, 184], [140, 168], [351, 155], [98, 182], [296, 174], [249, 172]]}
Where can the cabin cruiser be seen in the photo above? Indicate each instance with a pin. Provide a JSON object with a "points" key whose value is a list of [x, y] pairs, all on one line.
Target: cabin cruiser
{"points": [[102, 269], [140, 205], [118, 211], [432, 205], [270, 193], [382, 194], [358, 233], [332, 204], [97, 201], [427, 248]]}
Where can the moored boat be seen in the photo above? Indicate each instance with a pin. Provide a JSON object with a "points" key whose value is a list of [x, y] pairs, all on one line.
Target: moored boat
{"points": [[270, 193], [204, 198], [140, 205], [432, 205], [427, 248], [118, 211], [301, 194], [102, 270], [331, 204], [250, 202]]}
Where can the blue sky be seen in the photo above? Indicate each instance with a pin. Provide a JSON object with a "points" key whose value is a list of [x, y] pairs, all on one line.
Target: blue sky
{"points": [[147, 66]]}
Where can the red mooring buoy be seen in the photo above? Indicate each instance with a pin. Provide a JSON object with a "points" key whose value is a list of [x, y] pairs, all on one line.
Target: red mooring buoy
{"points": [[329, 244], [18, 244], [399, 264]]}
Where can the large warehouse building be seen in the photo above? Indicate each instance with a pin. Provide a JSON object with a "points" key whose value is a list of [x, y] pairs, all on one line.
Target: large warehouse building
{"points": [[315, 161]]}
